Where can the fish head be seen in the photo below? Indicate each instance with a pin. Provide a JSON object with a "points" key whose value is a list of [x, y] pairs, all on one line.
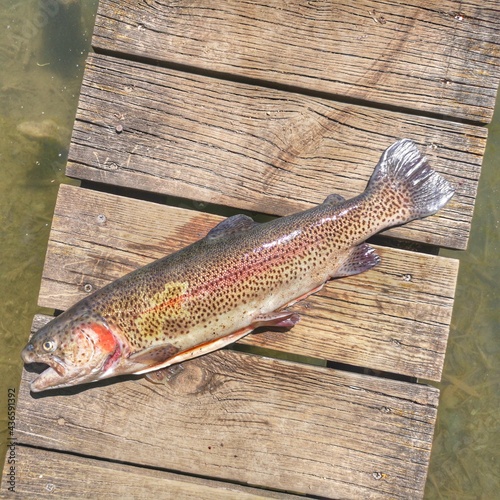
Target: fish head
{"points": [[78, 348]]}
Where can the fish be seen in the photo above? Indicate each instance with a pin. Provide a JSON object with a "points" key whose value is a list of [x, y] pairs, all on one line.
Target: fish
{"points": [[242, 275]]}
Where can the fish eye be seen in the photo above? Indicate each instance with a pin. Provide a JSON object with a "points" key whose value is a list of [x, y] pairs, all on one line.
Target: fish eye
{"points": [[49, 346]]}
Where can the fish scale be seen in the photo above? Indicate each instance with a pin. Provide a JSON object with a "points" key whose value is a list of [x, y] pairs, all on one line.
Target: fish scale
{"points": [[242, 275]]}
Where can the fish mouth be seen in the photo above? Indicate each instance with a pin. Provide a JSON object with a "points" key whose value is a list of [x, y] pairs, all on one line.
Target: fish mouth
{"points": [[58, 375], [51, 379], [57, 365], [55, 375]]}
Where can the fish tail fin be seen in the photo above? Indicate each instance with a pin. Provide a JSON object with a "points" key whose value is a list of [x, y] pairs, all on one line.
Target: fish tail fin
{"points": [[409, 187]]}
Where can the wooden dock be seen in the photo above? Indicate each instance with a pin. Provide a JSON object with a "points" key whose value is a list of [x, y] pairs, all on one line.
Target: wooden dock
{"points": [[189, 107]]}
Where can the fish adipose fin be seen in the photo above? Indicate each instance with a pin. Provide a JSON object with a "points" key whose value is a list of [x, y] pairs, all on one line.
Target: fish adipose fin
{"points": [[407, 183]]}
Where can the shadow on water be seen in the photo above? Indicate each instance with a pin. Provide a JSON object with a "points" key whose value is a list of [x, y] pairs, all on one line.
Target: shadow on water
{"points": [[63, 38], [42, 50]]}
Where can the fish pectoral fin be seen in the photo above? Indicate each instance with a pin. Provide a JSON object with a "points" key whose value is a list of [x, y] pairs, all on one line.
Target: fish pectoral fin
{"points": [[361, 258], [154, 355], [281, 319], [231, 225]]}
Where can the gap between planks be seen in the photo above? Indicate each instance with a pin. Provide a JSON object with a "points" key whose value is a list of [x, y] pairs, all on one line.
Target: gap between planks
{"points": [[44, 473], [430, 59]]}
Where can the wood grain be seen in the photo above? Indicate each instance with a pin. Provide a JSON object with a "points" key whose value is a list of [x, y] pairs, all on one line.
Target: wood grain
{"points": [[255, 148], [441, 58], [267, 107], [46, 474], [252, 420], [394, 318]]}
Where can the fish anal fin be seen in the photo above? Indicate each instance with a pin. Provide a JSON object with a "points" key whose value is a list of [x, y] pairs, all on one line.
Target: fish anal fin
{"points": [[361, 258], [231, 225]]}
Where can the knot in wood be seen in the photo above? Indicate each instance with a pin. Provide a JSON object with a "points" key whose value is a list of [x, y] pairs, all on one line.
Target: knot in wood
{"points": [[192, 380]]}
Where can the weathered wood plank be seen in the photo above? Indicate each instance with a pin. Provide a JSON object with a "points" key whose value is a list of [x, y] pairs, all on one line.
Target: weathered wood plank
{"points": [[256, 148], [394, 318], [253, 420], [47, 474], [442, 58]]}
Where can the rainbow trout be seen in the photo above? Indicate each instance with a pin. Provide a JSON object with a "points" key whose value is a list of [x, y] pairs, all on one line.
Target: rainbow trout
{"points": [[240, 276]]}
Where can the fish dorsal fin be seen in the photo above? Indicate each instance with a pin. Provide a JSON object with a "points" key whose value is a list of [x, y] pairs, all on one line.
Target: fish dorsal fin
{"points": [[334, 199], [231, 225]]}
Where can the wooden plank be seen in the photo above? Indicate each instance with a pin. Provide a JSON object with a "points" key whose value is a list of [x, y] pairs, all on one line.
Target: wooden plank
{"points": [[256, 148], [249, 419], [47, 474], [394, 318], [441, 58]]}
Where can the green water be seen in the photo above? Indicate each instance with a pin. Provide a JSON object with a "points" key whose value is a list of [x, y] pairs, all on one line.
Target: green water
{"points": [[42, 51], [43, 45]]}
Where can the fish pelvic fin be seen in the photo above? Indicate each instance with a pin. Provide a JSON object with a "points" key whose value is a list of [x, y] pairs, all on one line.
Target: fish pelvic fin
{"points": [[410, 189], [164, 374]]}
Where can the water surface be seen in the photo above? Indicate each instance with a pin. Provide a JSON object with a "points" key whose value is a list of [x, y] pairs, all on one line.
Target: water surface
{"points": [[43, 45]]}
